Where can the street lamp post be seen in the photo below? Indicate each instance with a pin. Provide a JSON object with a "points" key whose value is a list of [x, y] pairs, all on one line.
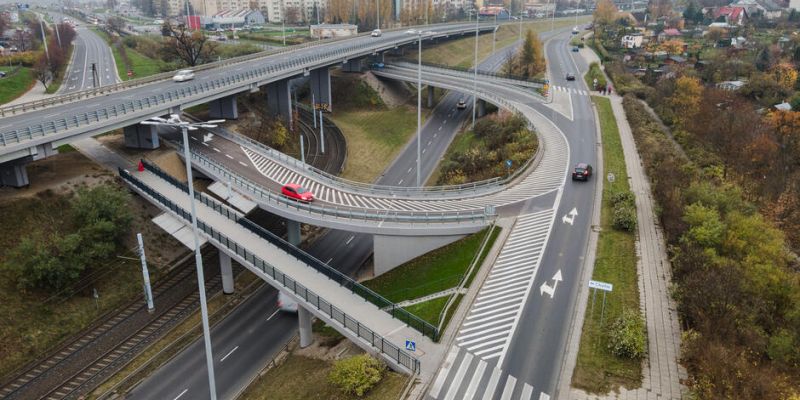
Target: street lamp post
{"points": [[419, 106], [185, 127], [475, 72]]}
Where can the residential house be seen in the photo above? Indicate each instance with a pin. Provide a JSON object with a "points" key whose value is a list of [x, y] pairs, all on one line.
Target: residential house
{"points": [[731, 85], [633, 41], [669, 33], [675, 60], [767, 8], [734, 16], [236, 18]]}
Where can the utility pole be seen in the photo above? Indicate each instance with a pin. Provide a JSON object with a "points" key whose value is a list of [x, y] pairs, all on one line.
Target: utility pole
{"points": [[44, 40], [148, 293], [475, 73], [378, 14]]}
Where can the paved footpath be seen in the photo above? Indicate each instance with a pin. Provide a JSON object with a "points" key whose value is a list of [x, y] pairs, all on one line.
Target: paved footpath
{"points": [[661, 370]]}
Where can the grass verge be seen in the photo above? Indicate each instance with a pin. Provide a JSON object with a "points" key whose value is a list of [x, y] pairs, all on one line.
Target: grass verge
{"points": [[15, 85], [433, 272], [595, 73], [141, 65], [301, 378], [461, 52], [597, 369]]}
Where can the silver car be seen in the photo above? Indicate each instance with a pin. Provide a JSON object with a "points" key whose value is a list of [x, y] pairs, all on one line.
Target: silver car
{"points": [[183, 75]]}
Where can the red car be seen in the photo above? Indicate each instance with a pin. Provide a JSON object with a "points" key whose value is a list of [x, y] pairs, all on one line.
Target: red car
{"points": [[582, 171], [297, 192]]}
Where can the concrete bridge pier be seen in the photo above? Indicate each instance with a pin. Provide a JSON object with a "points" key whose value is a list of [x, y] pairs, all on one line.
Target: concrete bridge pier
{"points": [[391, 251], [481, 107], [279, 100], [430, 96], [354, 65], [14, 174], [224, 108], [304, 326], [321, 87], [293, 232], [141, 136], [227, 273]]}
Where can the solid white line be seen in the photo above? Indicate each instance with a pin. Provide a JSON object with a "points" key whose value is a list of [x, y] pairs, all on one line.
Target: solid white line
{"points": [[273, 314], [229, 353], [182, 393]]}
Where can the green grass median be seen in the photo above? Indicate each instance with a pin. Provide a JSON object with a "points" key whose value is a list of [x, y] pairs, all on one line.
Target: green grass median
{"points": [[15, 84], [597, 369]]}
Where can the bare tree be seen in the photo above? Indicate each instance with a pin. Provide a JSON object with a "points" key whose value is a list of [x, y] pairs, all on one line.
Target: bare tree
{"points": [[42, 70], [292, 15], [191, 47], [23, 39], [115, 24], [4, 23]]}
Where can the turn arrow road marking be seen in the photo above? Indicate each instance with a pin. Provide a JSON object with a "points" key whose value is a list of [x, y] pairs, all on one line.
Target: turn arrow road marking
{"points": [[571, 219], [551, 290]]}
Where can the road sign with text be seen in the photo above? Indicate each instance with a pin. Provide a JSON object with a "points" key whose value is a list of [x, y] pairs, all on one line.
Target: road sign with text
{"points": [[601, 285]]}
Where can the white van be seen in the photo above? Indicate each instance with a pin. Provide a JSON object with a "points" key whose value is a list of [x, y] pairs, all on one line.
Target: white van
{"points": [[286, 303]]}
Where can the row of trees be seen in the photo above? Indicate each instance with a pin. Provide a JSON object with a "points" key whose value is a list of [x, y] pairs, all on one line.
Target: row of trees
{"points": [[737, 292], [55, 257]]}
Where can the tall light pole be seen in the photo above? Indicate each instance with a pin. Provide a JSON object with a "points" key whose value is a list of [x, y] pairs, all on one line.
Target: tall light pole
{"points": [[520, 27], [419, 106], [283, 23], [475, 73], [378, 15], [44, 39], [185, 127]]}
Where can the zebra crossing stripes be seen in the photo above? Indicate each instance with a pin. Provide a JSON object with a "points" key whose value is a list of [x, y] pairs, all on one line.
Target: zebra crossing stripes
{"points": [[570, 90], [489, 325], [468, 377]]}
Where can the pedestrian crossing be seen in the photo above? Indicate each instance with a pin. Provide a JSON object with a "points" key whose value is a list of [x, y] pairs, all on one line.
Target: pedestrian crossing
{"points": [[579, 92], [487, 330], [465, 376]]}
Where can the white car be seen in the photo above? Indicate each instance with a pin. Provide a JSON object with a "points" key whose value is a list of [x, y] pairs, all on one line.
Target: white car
{"points": [[411, 32], [376, 33], [183, 75], [285, 303]]}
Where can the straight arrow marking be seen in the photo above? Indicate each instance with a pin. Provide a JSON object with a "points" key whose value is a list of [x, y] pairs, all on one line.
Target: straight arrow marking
{"points": [[551, 290]]}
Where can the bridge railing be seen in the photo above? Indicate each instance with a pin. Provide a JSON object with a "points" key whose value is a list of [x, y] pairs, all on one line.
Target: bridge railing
{"points": [[162, 100], [364, 215], [295, 287], [107, 89], [515, 79]]}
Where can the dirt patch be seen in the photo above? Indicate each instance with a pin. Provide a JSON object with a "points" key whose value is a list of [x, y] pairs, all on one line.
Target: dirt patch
{"points": [[393, 93], [319, 351], [116, 142], [61, 174]]}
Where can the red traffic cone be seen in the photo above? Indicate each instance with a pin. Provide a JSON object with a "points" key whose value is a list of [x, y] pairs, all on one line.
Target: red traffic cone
{"points": [[141, 166]]}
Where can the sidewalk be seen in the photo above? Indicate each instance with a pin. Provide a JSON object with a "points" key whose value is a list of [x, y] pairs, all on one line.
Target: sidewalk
{"points": [[662, 373], [37, 92]]}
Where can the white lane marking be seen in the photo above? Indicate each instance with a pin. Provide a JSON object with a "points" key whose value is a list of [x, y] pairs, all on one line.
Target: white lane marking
{"points": [[195, 139], [429, 143], [544, 396], [409, 170], [329, 260], [216, 149], [350, 239], [440, 128], [423, 151], [205, 144], [228, 155], [229, 353], [509, 389], [400, 183], [182, 393], [273, 314], [434, 135], [243, 164]]}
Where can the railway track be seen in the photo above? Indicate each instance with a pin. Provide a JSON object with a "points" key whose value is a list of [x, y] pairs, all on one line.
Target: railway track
{"points": [[85, 362], [335, 146]]}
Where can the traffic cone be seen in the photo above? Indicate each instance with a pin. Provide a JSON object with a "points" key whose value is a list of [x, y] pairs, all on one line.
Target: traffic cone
{"points": [[141, 166]]}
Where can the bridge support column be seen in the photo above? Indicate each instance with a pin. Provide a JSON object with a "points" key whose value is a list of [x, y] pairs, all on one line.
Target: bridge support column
{"points": [[227, 273], [430, 96], [141, 136], [293, 232], [481, 107], [304, 326], [14, 174], [279, 100], [321, 87], [356, 65], [224, 108], [391, 251]]}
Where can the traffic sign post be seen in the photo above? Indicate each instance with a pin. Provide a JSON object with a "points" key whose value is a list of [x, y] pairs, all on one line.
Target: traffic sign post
{"points": [[508, 165], [411, 345], [605, 287]]}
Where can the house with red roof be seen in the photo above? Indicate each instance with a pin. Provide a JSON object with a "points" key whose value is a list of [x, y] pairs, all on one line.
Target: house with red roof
{"points": [[733, 16]]}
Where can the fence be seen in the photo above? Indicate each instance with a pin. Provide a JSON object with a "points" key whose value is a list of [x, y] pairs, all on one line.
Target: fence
{"points": [[343, 280]]}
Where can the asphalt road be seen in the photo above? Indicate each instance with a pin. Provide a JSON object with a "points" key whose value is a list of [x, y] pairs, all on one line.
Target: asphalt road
{"points": [[346, 251], [538, 346], [89, 48]]}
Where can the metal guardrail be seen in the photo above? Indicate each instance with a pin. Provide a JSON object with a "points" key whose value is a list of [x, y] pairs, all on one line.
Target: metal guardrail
{"points": [[358, 214], [351, 324], [343, 280], [104, 90], [516, 79], [171, 98]]}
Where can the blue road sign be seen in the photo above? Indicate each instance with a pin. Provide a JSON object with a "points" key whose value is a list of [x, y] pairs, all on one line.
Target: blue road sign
{"points": [[508, 163], [411, 345]]}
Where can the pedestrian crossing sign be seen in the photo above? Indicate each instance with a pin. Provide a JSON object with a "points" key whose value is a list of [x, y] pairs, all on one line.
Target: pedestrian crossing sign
{"points": [[411, 345]]}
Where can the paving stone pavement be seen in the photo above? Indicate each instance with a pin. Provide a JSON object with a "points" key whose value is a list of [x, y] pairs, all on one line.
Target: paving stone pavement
{"points": [[662, 372]]}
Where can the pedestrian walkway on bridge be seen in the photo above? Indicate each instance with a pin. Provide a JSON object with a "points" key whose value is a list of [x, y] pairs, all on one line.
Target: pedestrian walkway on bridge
{"points": [[341, 304]]}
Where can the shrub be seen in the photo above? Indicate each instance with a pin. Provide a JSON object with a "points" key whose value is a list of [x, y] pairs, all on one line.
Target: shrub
{"points": [[628, 338], [624, 217], [357, 375]]}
